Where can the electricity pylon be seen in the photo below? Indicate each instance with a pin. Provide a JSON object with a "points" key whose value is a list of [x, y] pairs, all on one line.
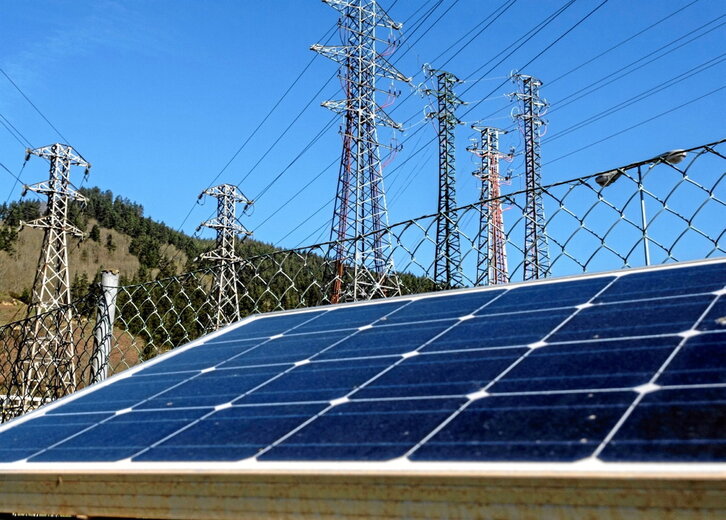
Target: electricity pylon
{"points": [[536, 249], [45, 368], [362, 250], [492, 239], [224, 255], [447, 261]]}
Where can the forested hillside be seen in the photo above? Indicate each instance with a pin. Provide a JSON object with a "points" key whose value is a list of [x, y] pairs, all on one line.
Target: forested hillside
{"points": [[118, 236]]}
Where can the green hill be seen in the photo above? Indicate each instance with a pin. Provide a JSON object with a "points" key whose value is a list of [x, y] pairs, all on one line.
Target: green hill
{"points": [[118, 236]]}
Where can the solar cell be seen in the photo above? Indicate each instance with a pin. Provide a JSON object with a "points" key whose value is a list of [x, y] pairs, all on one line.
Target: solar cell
{"points": [[199, 359], [635, 318], [267, 326], [701, 361], [349, 317], [463, 305], [364, 430], [130, 432], [542, 296], [589, 365], [285, 349], [559, 427], [387, 340], [696, 279], [673, 425], [500, 330], [232, 433], [620, 367], [442, 374]]}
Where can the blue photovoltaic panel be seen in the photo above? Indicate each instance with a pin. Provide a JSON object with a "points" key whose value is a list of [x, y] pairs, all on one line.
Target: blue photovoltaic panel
{"points": [[624, 367]]}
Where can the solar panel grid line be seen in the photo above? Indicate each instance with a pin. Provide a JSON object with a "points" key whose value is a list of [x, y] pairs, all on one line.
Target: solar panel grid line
{"points": [[487, 304], [440, 352], [177, 385], [118, 377], [465, 290], [281, 374], [580, 390], [318, 312], [483, 392], [609, 340], [652, 381], [345, 398], [694, 386]]}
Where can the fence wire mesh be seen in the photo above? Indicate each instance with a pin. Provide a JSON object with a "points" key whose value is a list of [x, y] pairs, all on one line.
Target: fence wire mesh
{"points": [[663, 209]]}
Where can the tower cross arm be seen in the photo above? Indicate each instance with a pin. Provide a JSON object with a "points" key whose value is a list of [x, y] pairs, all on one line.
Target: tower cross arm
{"points": [[228, 191], [47, 223], [386, 120], [219, 255], [74, 158], [337, 53], [48, 188], [382, 118], [385, 69], [341, 53], [381, 17], [217, 223]]}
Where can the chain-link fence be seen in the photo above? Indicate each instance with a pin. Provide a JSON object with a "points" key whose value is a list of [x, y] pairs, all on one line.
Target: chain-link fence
{"points": [[664, 209]]}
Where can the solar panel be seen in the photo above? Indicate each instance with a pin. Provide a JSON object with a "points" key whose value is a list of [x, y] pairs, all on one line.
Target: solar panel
{"points": [[619, 367]]}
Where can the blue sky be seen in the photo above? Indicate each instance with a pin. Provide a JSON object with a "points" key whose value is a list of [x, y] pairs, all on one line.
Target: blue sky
{"points": [[159, 95]]}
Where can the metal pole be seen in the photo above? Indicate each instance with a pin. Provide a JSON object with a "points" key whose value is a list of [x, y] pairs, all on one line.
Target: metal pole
{"points": [[643, 218], [104, 325]]}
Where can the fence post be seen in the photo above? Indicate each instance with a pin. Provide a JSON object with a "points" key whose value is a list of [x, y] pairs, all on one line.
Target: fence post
{"points": [[103, 332], [643, 218]]}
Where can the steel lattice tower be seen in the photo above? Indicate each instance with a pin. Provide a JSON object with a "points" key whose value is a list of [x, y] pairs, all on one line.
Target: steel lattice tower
{"points": [[447, 262], [224, 254], [45, 368], [362, 253], [492, 239], [536, 249]]}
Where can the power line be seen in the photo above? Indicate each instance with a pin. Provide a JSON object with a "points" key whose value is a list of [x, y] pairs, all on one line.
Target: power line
{"points": [[327, 34], [622, 42], [419, 21], [304, 221], [641, 123], [639, 97], [517, 45], [17, 134], [491, 18], [600, 84], [327, 125], [34, 106], [17, 178], [300, 154], [417, 26], [521, 41], [289, 200], [600, 81], [271, 111]]}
